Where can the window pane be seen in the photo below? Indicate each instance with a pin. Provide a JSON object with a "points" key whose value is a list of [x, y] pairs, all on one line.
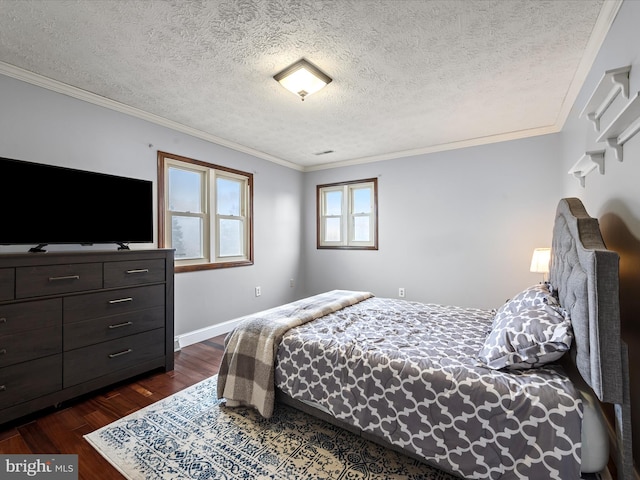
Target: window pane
{"points": [[361, 229], [333, 203], [231, 237], [229, 197], [206, 211], [186, 237], [347, 214], [362, 200], [184, 190], [331, 229]]}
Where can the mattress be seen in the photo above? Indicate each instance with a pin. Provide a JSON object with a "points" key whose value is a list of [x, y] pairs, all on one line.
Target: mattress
{"points": [[408, 373]]}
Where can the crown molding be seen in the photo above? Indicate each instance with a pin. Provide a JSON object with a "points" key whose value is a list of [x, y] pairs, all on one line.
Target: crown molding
{"points": [[473, 142], [74, 92]]}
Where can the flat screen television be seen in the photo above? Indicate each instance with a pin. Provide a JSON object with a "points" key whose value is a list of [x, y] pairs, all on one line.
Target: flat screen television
{"points": [[45, 204]]}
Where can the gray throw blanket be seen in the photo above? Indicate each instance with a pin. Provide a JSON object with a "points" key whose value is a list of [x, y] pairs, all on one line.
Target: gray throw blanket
{"points": [[246, 374]]}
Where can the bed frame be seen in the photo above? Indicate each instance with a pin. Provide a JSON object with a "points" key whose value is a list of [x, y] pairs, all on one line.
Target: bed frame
{"points": [[585, 275]]}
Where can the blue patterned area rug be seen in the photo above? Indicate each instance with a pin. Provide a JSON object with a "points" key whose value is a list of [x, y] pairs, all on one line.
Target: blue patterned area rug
{"points": [[191, 435]]}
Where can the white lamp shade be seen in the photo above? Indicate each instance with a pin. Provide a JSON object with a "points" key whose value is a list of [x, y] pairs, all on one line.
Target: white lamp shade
{"points": [[540, 260]]}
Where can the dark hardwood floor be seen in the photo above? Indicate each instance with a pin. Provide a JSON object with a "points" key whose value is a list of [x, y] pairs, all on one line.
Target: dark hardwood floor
{"points": [[61, 430]]}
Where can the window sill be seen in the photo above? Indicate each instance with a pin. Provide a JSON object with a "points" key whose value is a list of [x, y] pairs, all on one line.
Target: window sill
{"points": [[211, 266]]}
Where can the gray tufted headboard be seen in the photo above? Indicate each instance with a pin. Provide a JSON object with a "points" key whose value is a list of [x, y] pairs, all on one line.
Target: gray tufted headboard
{"points": [[585, 275]]}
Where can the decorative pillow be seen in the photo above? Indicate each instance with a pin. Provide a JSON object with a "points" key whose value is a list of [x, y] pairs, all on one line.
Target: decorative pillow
{"points": [[534, 296], [527, 332]]}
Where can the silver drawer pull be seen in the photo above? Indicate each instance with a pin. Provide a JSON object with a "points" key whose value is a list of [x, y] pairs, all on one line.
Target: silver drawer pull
{"points": [[121, 300], [125, 324], [68, 277], [124, 352], [140, 270], [3, 320], [3, 351], [3, 388]]}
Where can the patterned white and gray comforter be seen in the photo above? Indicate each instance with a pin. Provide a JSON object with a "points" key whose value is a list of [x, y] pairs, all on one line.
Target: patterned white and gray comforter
{"points": [[408, 372], [246, 375]]}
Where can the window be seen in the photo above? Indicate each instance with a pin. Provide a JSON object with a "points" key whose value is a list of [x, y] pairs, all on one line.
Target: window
{"points": [[348, 215], [204, 213]]}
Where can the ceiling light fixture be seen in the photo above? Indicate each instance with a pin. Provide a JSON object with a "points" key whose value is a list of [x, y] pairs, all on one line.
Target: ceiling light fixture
{"points": [[302, 78]]}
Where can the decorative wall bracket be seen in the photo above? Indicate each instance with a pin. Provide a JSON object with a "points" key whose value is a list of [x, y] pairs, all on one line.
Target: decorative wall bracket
{"points": [[587, 163], [611, 84], [623, 127]]}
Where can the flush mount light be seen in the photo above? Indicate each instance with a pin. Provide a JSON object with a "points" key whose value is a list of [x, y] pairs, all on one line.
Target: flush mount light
{"points": [[302, 78]]}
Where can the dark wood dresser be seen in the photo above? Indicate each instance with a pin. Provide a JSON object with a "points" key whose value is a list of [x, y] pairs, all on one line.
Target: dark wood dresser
{"points": [[73, 322]]}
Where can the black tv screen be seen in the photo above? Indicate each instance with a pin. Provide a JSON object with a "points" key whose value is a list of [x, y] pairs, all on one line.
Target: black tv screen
{"points": [[45, 204]]}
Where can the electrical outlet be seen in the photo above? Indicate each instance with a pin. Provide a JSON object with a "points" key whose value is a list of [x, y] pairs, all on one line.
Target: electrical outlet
{"points": [[401, 292], [258, 291], [291, 283]]}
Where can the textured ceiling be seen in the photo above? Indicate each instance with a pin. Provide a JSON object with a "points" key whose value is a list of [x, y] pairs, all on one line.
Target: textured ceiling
{"points": [[409, 76]]}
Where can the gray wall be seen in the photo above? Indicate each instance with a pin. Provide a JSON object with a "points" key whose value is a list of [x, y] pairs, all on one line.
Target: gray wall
{"points": [[42, 126], [456, 227]]}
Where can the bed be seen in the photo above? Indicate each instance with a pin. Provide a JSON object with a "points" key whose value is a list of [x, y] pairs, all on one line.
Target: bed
{"points": [[507, 393]]}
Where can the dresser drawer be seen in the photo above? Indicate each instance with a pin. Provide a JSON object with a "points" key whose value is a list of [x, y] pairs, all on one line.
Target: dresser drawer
{"points": [[135, 272], [116, 302], [28, 316], [25, 346], [88, 363], [26, 381], [7, 284], [56, 279], [89, 332]]}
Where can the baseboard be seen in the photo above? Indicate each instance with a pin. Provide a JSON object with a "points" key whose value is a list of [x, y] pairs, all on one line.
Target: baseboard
{"points": [[202, 334]]}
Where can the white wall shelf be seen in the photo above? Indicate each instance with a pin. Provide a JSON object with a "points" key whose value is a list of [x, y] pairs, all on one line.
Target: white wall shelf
{"points": [[623, 127], [588, 163], [611, 84]]}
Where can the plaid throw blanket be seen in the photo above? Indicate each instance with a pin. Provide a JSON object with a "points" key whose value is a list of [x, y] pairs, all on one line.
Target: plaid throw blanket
{"points": [[246, 374]]}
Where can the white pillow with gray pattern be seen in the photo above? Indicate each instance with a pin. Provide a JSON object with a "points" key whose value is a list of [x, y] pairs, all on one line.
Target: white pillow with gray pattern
{"points": [[528, 331]]}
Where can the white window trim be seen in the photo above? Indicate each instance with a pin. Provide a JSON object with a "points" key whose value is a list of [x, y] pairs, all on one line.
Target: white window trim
{"points": [[204, 215], [211, 249], [243, 217], [347, 216], [353, 215], [343, 219]]}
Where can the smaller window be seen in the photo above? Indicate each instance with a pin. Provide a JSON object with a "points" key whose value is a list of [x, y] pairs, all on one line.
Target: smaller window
{"points": [[347, 215]]}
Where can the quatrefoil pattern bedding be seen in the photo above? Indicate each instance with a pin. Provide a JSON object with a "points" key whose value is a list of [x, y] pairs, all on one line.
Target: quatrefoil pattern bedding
{"points": [[409, 373]]}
